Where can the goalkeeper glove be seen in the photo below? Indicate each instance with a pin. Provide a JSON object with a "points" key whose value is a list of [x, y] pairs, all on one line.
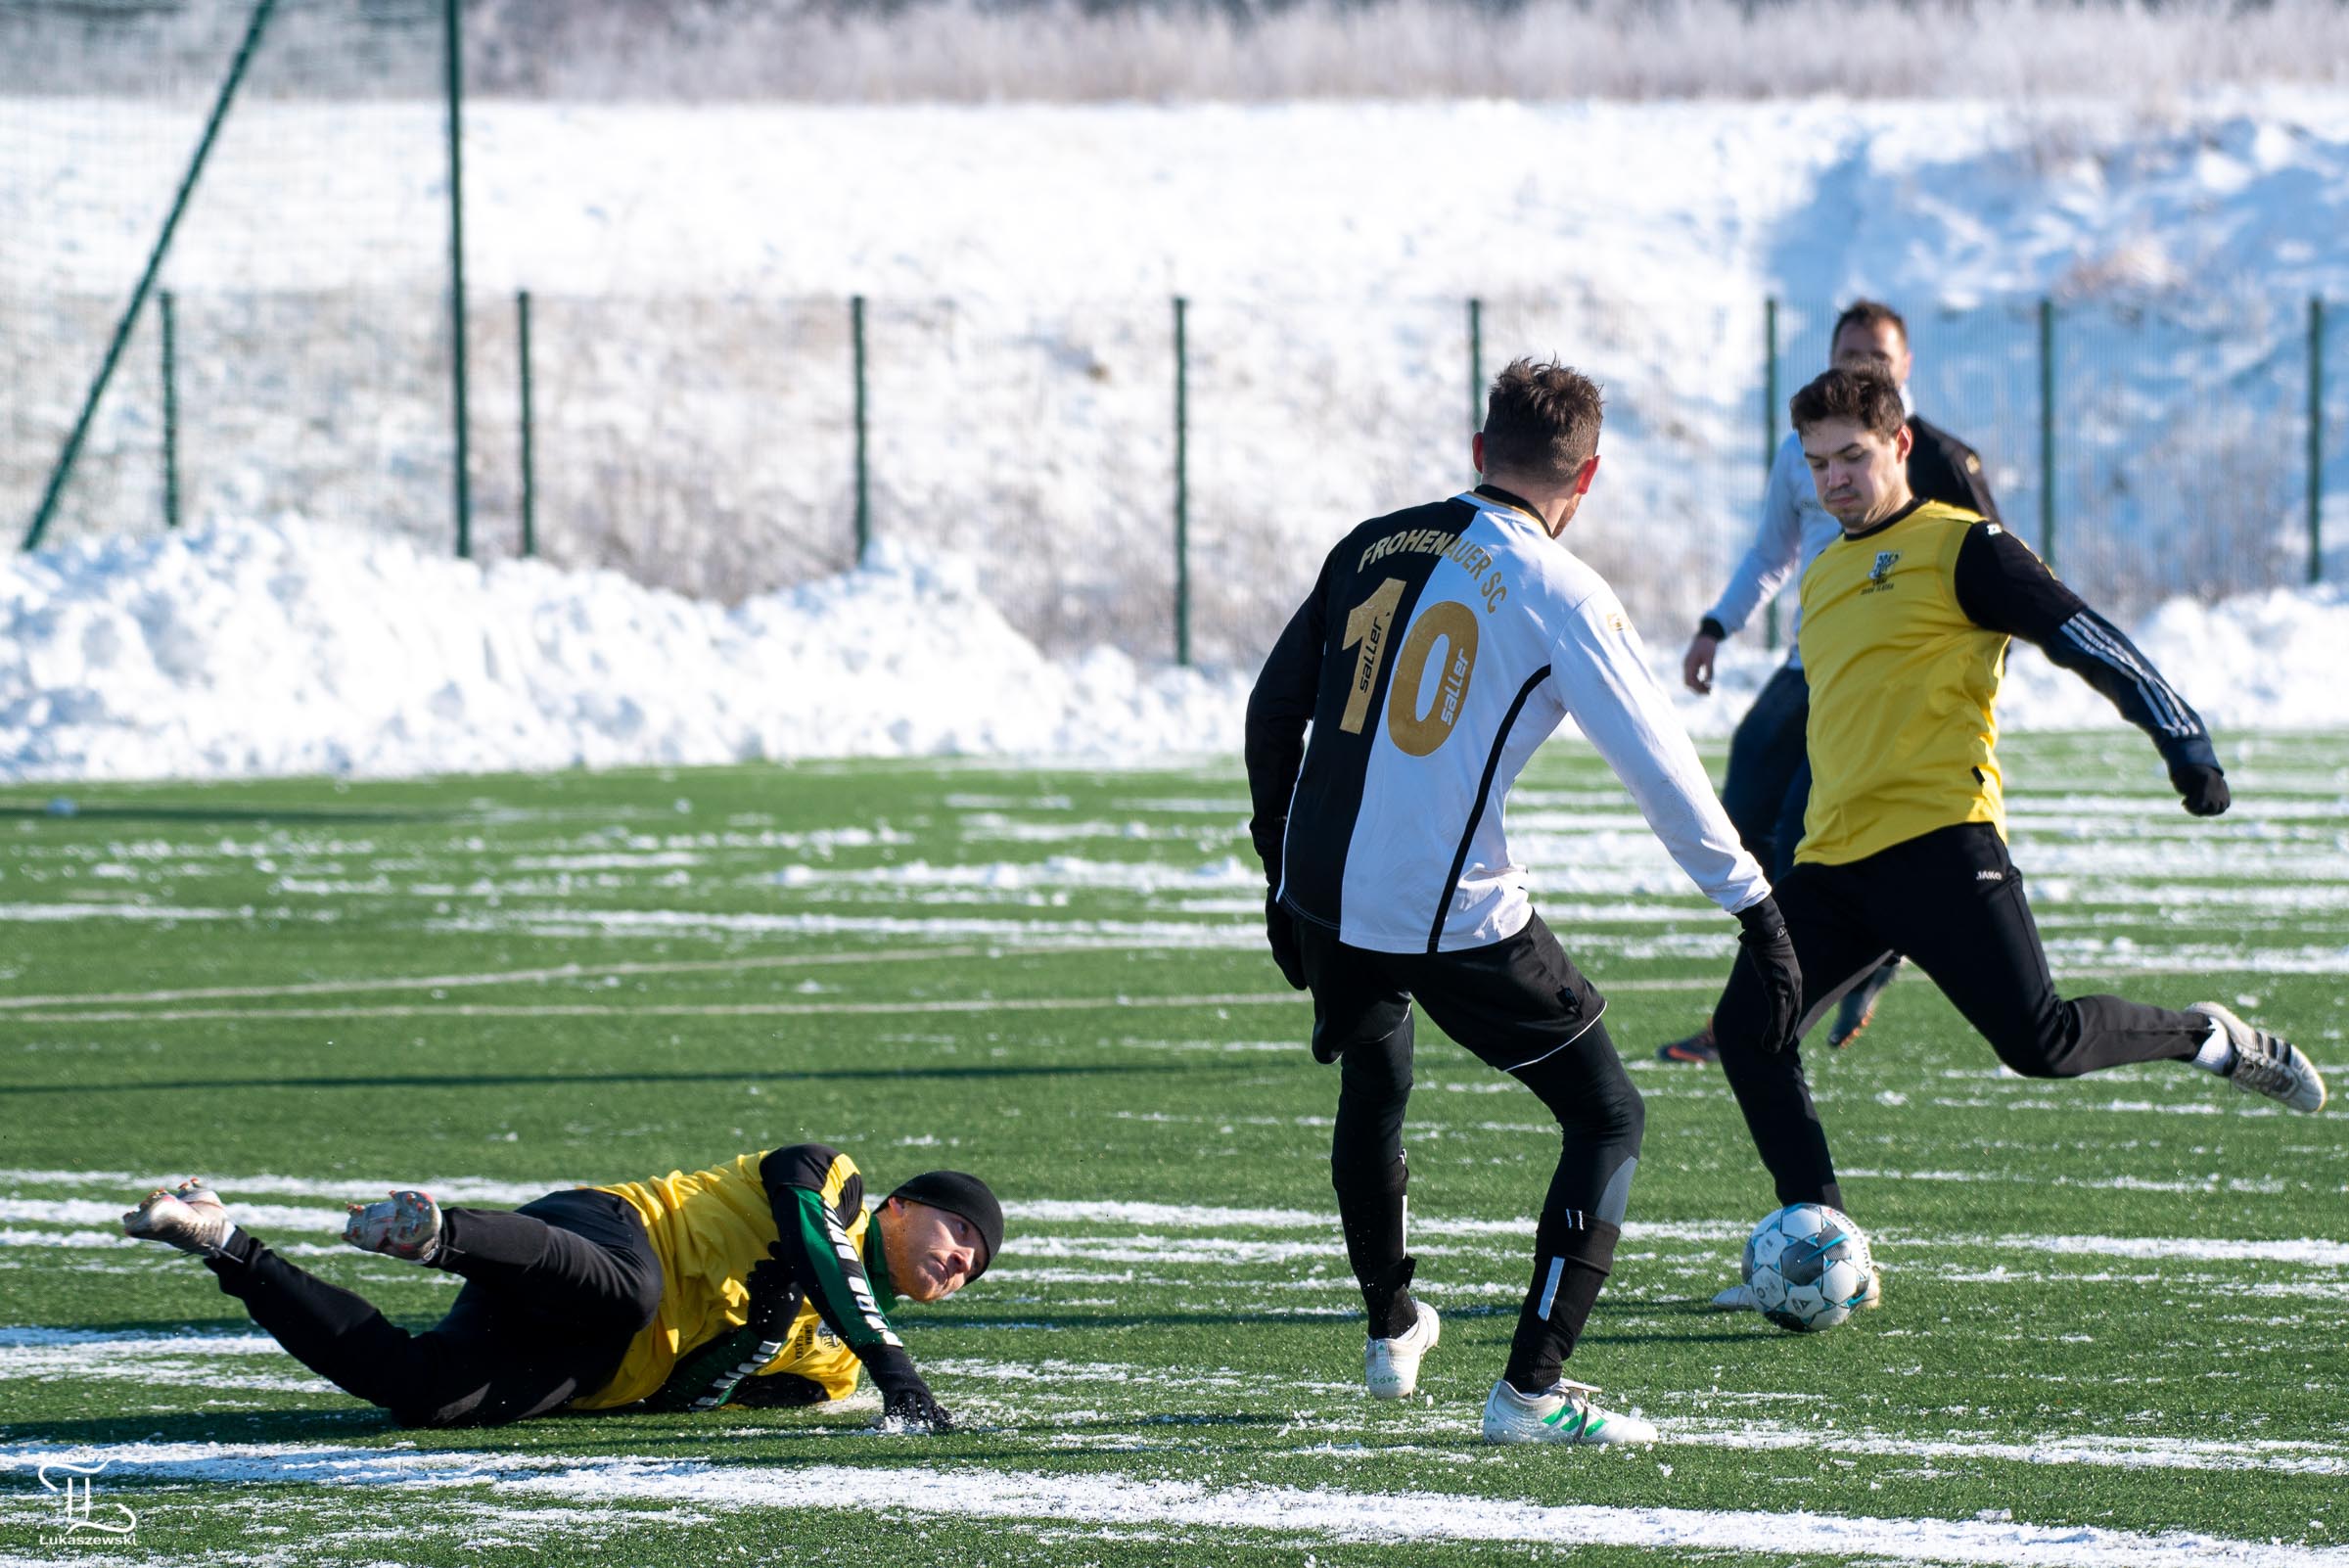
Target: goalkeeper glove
{"points": [[913, 1405]]}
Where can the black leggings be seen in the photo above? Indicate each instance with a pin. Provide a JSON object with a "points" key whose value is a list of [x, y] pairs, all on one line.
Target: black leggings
{"points": [[1951, 900], [1769, 781], [1520, 1006], [554, 1292]]}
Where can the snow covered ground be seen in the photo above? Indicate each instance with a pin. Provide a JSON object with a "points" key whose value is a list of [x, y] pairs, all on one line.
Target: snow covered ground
{"points": [[289, 647], [690, 268]]}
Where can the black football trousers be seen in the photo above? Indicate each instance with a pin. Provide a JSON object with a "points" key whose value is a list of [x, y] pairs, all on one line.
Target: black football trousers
{"points": [[1519, 1005], [1951, 900], [554, 1291]]}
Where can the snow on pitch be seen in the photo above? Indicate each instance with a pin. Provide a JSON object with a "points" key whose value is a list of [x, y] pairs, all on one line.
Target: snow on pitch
{"points": [[288, 647], [1117, 1501]]}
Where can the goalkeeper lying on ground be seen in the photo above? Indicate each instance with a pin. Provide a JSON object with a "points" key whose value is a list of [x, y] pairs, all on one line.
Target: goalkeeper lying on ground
{"points": [[760, 1282]]}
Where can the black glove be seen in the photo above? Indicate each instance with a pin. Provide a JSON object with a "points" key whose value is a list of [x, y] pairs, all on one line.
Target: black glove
{"points": [[2202, 785], [1280, 930], [1765, 946], [912, 1404]]}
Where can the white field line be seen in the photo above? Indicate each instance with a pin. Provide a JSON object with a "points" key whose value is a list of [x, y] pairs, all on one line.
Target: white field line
{"points": [[138, 1185], [1122, 1501], [117, 1007], [504, 977], [205, 1361], [260, 1219], [37, 1353], [2128, 1454], [974, 1004], [1145, 1247], [2304, 1252]]}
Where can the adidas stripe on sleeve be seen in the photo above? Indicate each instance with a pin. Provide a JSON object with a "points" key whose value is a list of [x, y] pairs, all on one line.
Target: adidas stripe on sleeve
{"points": [[2003, 586]]}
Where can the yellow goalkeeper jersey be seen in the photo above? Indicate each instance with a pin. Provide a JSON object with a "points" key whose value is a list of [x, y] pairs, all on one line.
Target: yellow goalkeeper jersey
{"points": [[710, 1229]]}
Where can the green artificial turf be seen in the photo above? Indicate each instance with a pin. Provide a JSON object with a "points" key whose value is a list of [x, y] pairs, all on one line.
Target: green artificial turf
{"points": [[2111, 1305]]}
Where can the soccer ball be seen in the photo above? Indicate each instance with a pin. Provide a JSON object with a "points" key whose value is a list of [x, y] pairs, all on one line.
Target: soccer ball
{"points": [[1808, 1267]]}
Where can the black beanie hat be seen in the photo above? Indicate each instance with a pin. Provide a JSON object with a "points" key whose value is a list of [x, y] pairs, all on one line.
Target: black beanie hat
{"points": [[958, 1193]]}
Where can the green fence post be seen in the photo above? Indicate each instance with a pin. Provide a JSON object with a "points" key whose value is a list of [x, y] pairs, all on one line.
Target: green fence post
{"points": [[1182, 486], [1770, 437], [2047, 430], [167, 320], [2316, 438], [530, 454], [454, 52], [1476, 365], [864, 494], [146, 284]]}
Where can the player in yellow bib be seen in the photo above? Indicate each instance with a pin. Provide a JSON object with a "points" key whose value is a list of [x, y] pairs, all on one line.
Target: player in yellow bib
{"points": [[763, 1281], [1904, 626]]}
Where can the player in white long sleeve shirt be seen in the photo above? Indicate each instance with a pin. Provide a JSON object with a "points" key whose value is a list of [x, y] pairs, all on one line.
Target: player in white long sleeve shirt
{"points": [[1769, 781], [1795, 529], [1439, 648]]}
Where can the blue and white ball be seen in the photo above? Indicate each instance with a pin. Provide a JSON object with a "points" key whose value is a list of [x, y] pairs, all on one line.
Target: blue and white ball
{"points": [[1808, 1267]]}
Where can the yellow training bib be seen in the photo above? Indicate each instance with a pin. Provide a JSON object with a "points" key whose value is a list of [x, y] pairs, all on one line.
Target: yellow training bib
{"points": [[1901, 729]]}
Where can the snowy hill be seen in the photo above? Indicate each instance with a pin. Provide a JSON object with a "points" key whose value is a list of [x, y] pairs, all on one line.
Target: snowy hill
{"points": [[691, 269]]}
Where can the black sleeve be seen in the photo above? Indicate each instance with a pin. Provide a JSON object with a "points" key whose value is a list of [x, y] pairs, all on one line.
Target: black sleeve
{"points": [[1941, 468], [814, 1202], [1278, 711], [778, 1391], [2002, 586]]}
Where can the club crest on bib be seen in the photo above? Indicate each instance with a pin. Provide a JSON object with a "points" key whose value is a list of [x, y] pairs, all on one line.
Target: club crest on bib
{"points": [[1879, 575]]}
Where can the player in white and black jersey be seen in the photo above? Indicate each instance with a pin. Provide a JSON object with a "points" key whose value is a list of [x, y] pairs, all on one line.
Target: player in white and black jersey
{"points": [[1439, 648]]}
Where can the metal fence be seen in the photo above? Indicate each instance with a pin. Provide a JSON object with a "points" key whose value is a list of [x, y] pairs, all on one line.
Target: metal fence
{"points": [[1159, 474]]}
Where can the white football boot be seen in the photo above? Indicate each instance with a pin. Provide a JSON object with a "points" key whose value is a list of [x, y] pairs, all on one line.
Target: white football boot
{"points": [[2264, 1064], [190, 1217], [406, 1224], [1565, 1412], [1739, 1298], [1391, 1367]]}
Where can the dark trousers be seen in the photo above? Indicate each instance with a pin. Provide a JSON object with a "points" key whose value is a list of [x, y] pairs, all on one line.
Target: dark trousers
{"points": [[1951, 900], [1769, 783], [554, 1291], [1519, 1005]]}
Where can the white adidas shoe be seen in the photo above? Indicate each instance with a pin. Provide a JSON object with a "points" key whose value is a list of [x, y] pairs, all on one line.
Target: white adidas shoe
{"points": [[1391, 1367], [406, 1224], [2264, 1064], [1739, 1298], [190, 1217], [1565, 1412]]}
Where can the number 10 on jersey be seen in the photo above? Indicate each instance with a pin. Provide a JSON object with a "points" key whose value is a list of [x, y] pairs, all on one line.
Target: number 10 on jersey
{"points": [[1368, 627]]}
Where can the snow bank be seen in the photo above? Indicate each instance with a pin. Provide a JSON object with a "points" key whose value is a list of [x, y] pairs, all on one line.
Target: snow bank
{"points": [[289, 647], [292, 647], [694, 414]]}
